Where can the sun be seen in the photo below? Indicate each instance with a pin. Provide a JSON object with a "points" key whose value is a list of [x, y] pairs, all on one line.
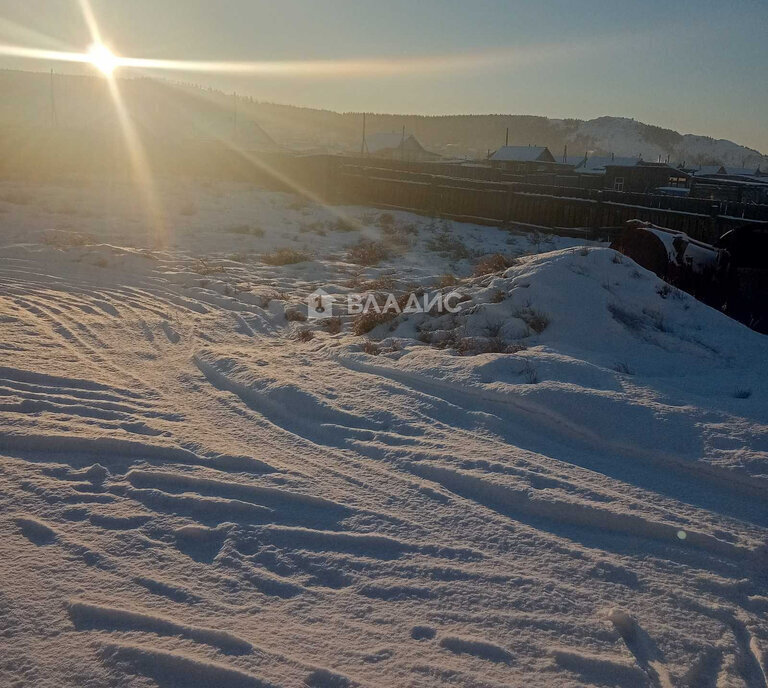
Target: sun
{"points": [[103, 58]]}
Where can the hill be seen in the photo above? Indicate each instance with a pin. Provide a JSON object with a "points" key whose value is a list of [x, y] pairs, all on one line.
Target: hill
{"points": [[175, 110]]}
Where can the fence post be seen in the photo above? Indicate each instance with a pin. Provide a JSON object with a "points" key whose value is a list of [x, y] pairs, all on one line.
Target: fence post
{"points": [[434, 196], [510, 200], [713, 224], [595, 214]]}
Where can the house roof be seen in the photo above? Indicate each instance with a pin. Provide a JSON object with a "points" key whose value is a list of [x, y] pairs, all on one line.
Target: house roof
{"points": [[574, 159], [736, 180], [644, 165], [707, 169], [522, 154], [597, 163], [721, 172], [741, 171]]}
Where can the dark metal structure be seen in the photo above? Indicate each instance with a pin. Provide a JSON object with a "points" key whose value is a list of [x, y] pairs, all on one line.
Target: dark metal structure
{"points": [[730, 275]]}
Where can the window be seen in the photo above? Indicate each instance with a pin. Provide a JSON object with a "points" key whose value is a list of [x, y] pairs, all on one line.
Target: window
{"points": [[618, 183]]}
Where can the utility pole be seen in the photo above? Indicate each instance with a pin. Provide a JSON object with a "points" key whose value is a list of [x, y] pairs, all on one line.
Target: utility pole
{"points": [[565, 153], [506, 138], [54, 121], [234, 118], [362, 142]]}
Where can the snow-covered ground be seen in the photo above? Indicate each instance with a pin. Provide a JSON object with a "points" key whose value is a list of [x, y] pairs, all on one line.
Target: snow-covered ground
{"points": [[563, 484]]}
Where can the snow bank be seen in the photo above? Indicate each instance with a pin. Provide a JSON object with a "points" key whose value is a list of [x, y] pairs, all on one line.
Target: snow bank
{"points": [[599, 348]]}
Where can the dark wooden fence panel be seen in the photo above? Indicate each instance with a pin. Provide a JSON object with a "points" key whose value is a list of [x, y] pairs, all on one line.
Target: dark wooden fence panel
{"points": [[545, 207]]}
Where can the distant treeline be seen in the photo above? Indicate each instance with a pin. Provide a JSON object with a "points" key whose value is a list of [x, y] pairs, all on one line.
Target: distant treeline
{"points": [[172, 110]]}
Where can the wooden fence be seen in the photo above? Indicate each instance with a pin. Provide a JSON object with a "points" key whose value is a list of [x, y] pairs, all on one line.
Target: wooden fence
{"points": [[585, 213]]}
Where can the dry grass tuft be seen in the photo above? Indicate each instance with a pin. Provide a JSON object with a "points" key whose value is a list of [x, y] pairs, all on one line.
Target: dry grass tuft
{"points": [[365, 322], [371, 348], [498, 296], [536, 320], [204, 267], [246, 230], [446, 280], [305, 335], [367, 252], [332, 325], [496, 262], [285, 256], [62, 239]]}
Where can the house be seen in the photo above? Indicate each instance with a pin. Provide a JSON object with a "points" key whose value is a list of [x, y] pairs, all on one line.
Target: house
{"points": [[638, 176], [396, 146], [523, 159], [740, 189]]}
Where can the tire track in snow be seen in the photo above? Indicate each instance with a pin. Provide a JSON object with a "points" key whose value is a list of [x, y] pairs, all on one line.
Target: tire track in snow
{"points": [[510, 501], [87, 616]]}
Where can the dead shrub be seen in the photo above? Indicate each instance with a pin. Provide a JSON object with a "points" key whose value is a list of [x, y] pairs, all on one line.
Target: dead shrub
{"points": [[332, 325], [285, 256], [368, 252], [62, 239], [498, 296], [294, 315], [204, 267], [344, 224], [371, 348], [448, 247], [246, 230], [446, 280], [536, 320], [385, 282], [365, 322], [305, 335], [496, 345], [632, 321], [400, 235], [496, 262], [425, 336], [386, 220], [656, 319]]}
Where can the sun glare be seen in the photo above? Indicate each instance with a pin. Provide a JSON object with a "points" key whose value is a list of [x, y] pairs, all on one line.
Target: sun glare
{"points": [[102, 58]]}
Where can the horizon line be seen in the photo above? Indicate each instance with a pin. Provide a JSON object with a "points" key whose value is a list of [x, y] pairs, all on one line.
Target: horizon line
{"points": [[245, 96]]}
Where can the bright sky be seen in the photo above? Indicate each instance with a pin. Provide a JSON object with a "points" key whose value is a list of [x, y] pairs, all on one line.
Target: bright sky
{"points": [[696, 66]]}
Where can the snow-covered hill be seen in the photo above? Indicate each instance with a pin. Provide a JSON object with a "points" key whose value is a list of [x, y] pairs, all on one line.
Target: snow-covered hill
{"points": [[169, 111], [628, 137]]}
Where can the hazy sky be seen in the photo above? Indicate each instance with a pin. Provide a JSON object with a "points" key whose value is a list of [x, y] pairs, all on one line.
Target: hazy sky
{"points": [[695, 66]]}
